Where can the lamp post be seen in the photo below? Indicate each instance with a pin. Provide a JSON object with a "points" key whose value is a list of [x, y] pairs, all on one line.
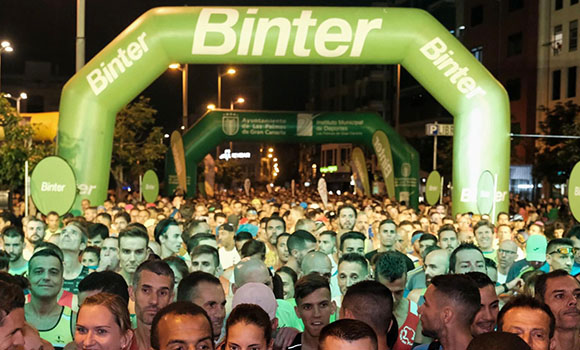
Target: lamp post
{"points": [[22, 96], [239, 100], [230, 71], [4, 47], [184, 77]]}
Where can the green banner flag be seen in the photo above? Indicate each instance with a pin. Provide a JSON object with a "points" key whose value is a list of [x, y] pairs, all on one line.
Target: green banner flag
{"points": [[385, 161], [150, 186], [179, 159], [359, 169], [433, 187], [574, 191], [53, 186]]}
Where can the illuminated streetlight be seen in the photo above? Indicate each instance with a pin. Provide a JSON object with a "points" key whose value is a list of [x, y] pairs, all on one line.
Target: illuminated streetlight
{"points": [[22, 96], [4, 47], [240, 100], [184, 78], [269, 155], [210, 106], [230, 71], [166, 136], [270, 150]]}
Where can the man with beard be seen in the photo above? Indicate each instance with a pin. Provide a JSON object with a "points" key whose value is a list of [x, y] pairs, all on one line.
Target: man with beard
{"points": [[387, 238], [346, 219], [152, 290], [486, 318], [561, 292], [34, 233], [299, 244], [205, 290], [451, 303], [436, 263], [448, 238], [132, 251], [14, 245]]}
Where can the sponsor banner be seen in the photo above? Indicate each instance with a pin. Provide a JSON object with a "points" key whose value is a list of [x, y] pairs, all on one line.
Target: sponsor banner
{"points": [[385, 160], [53, 186], [360, 173], [485, 192], [574, 191], [433, 188], [179, 159], [323, 191], [209, 172], [150, 186]]}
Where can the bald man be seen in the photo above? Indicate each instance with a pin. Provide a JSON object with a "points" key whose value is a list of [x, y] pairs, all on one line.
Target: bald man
{"points": [[320, 263], [436, 263]]}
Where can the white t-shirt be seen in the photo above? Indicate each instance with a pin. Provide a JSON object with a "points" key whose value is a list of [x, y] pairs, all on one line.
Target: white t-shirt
{"points": [[228, 258]]}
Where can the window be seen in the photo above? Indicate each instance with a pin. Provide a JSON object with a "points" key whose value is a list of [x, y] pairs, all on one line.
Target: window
{"points": [[571, 90], [558, 4], [557, 39], [515, 5], [476, 15], [478, 53], [515, 44], [573, 39], [513, 87], [556, 77]]}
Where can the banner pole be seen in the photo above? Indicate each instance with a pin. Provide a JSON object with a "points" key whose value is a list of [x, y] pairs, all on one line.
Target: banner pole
{"points": [[26, 188], [140, 188]]}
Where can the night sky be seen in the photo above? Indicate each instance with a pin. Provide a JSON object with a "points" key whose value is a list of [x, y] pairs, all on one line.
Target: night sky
{"points": [[45, 30]]}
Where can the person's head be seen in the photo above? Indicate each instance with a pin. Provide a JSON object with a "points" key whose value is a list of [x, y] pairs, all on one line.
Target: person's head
{"points": [[195, 227], [201, 239], [282, 247], [251, 270], [205, 258], [90, 257], [97, 233], [226, 234], [275, 226], [184, 324], [34, 231], [11, 316], [313, 303], [560, 292], [503, 218], [352, 242], [507, 253], [74, 237], [241, 238], [484, 235], [306, 225], [316, 262], [327, 242], [504, 232], [179, 268], [254, 248], [486, 317], [391, 271], [205, 290], [347, 334], [90, 214], [498, 341], [289, 279], [370, 302], [426, 240], [301, 243], [103, 281], [530, 319], [448, 237], [574, 236], [52, 221], [466, 258], [248, 327], [168, 235], [152, 289], [388, 234], [346, 217], [13, 242], [103, 322], [352, 268], [436, 263], [104, 218], [451, 302], [121, 220], [45, 273], [560, 254], [133, 242]]}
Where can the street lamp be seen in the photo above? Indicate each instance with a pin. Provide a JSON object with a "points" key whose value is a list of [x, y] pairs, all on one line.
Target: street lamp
{"points": [[4, 47], [230, 71], [240, 100], [184, 77], [210, 107], [22, 96]]}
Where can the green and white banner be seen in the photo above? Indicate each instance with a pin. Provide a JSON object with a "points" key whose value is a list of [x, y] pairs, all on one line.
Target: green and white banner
{"points": [[574, 191], [53, 186], [433, 188], [385, 161], [150, 186], [360, 172], [289, 35]]}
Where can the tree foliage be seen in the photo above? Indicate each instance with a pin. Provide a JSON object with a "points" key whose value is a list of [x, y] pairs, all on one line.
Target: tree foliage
{"points": [[137, 143], [555, 157], [16, 147]]}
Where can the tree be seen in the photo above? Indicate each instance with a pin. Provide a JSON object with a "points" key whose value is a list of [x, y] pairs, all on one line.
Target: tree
{"points": [[137, 144], [555, 157], [16, 147]]}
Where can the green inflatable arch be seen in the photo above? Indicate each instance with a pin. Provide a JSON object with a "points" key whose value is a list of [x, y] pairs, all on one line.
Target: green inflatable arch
{"points": [[274, 127], [290, 35]]}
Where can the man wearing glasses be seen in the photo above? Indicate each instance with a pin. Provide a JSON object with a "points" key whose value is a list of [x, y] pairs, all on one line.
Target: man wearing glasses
{"points": [[506, 255], [560, 254]]}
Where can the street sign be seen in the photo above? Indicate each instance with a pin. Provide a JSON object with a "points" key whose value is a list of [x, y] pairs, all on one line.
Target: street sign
{"points": [[436, 129]]}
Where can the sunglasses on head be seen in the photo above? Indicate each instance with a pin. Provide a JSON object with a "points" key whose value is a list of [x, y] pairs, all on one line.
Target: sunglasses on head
{"points": [[564, 250]]}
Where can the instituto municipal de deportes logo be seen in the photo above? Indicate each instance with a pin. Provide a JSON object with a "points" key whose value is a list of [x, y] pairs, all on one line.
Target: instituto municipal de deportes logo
{"points": [[230, 124]]}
